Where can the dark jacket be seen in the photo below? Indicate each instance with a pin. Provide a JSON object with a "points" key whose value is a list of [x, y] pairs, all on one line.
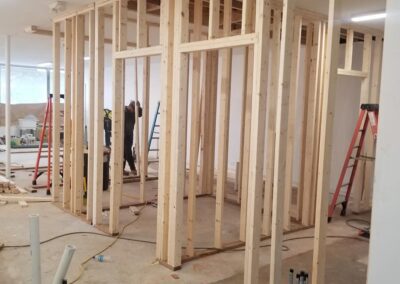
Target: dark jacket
{"points": [[130, 124]]}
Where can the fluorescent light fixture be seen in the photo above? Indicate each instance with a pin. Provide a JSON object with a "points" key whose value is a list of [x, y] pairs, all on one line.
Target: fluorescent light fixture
{"points": [[45, 65], [369, 17], [86, 58]]}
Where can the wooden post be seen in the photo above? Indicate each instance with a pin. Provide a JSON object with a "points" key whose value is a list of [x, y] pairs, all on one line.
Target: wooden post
{"points": [[195, 129], [294, 79], [224, 113], [348, 60], [311, 126], [73, 111], [98, 119], [247, 27], [178, 143], [253, 225], [281, 141], [325, 153], [167, 42], [301, 191], [142, 41], [364, 174], [55, 175], [77, 181], [119, 43], [271, 131], [89, 204], [67, 114]]}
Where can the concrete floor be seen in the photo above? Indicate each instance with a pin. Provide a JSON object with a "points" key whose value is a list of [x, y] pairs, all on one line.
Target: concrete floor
{"points": [[134, 262]]}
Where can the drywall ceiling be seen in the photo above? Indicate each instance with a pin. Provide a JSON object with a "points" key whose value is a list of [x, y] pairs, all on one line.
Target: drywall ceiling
{"points": [[29, 49]]}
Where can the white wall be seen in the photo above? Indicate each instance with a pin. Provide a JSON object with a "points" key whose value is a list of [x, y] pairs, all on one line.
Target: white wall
{"points": [[384, 256]]}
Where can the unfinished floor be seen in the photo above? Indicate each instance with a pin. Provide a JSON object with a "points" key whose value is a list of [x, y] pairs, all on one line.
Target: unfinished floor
{"points": [[134, 262]]}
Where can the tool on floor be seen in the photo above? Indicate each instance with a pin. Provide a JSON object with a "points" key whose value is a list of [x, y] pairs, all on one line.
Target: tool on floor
{"points": [[368, 116], [301, 277], [155, 129], [46, 130]]}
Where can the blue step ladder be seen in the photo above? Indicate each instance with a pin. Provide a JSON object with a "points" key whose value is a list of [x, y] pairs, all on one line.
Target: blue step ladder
{"points": [[155, 131]]}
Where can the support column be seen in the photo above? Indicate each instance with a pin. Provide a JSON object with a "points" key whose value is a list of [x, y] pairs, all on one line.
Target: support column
{"points": [[325, 149], [7, 41]]}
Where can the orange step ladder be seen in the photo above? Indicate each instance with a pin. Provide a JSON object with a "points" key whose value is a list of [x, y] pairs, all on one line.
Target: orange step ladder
{"points": [[368, 116]]}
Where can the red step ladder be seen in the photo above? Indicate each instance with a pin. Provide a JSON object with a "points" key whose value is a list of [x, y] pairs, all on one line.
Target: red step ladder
{"points": [[368, 116]]}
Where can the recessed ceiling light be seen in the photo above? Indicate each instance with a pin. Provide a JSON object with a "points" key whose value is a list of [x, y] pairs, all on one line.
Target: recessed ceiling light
{"points": [[369, 17]]}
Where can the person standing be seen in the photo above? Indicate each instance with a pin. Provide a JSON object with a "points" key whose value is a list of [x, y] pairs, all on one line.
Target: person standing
{"points": [[130, 117]]}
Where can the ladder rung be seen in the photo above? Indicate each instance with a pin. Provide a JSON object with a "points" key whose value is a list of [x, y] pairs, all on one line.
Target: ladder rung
{"points": [[366, 158], [153, 149], [346, 184], [157, 125], [155, 138], [156, 132], [356, 147], [350, 166]]}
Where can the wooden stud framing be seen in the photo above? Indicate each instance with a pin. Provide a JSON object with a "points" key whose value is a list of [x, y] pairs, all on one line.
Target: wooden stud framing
{"points": [[348, 60], [73, 111], [178, 143], [77, 180], [90, 128], [195, 129], [294, 78], [364, 173], [281, 141], [67, 115], [223, 127], [271, 130], [324, 163], [253, 225], [119, 36], [167, 43], [142, 42], [98, 119], [56, 113], [247, 26], [310, 130]]}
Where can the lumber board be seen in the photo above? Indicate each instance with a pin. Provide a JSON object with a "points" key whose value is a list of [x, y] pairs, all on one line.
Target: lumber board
{"points": [[55, 174], [17, 198], [310, 130], [90, 127], [194, 130], [67, 114], [247, 109], [247, 26], [142, 42], [178, 132], [294, 84], [224, 114], [119, 36], [348, 59], [78, 119], [271, 130], [98, 118], [325, 153], [167, 43], [73, 111], [281, 141], [257, 135], [307, 62]]}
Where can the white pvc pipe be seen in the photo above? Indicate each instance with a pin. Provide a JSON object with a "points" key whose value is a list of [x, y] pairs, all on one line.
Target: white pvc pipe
{"points": [[7, 110], [64, 264], [35, 248]]}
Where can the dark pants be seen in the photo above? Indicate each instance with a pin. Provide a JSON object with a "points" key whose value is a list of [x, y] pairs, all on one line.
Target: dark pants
{"points": [[128, 154]]}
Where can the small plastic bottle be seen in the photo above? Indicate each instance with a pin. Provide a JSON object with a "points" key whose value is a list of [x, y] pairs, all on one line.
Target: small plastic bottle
{"points": [[102, 258]]}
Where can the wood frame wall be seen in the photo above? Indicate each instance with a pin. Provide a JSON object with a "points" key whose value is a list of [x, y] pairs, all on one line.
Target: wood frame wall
{"points": [[265, 181]]}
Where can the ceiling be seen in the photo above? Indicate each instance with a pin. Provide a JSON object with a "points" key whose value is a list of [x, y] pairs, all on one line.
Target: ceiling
{"points": [[28, 49]]}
